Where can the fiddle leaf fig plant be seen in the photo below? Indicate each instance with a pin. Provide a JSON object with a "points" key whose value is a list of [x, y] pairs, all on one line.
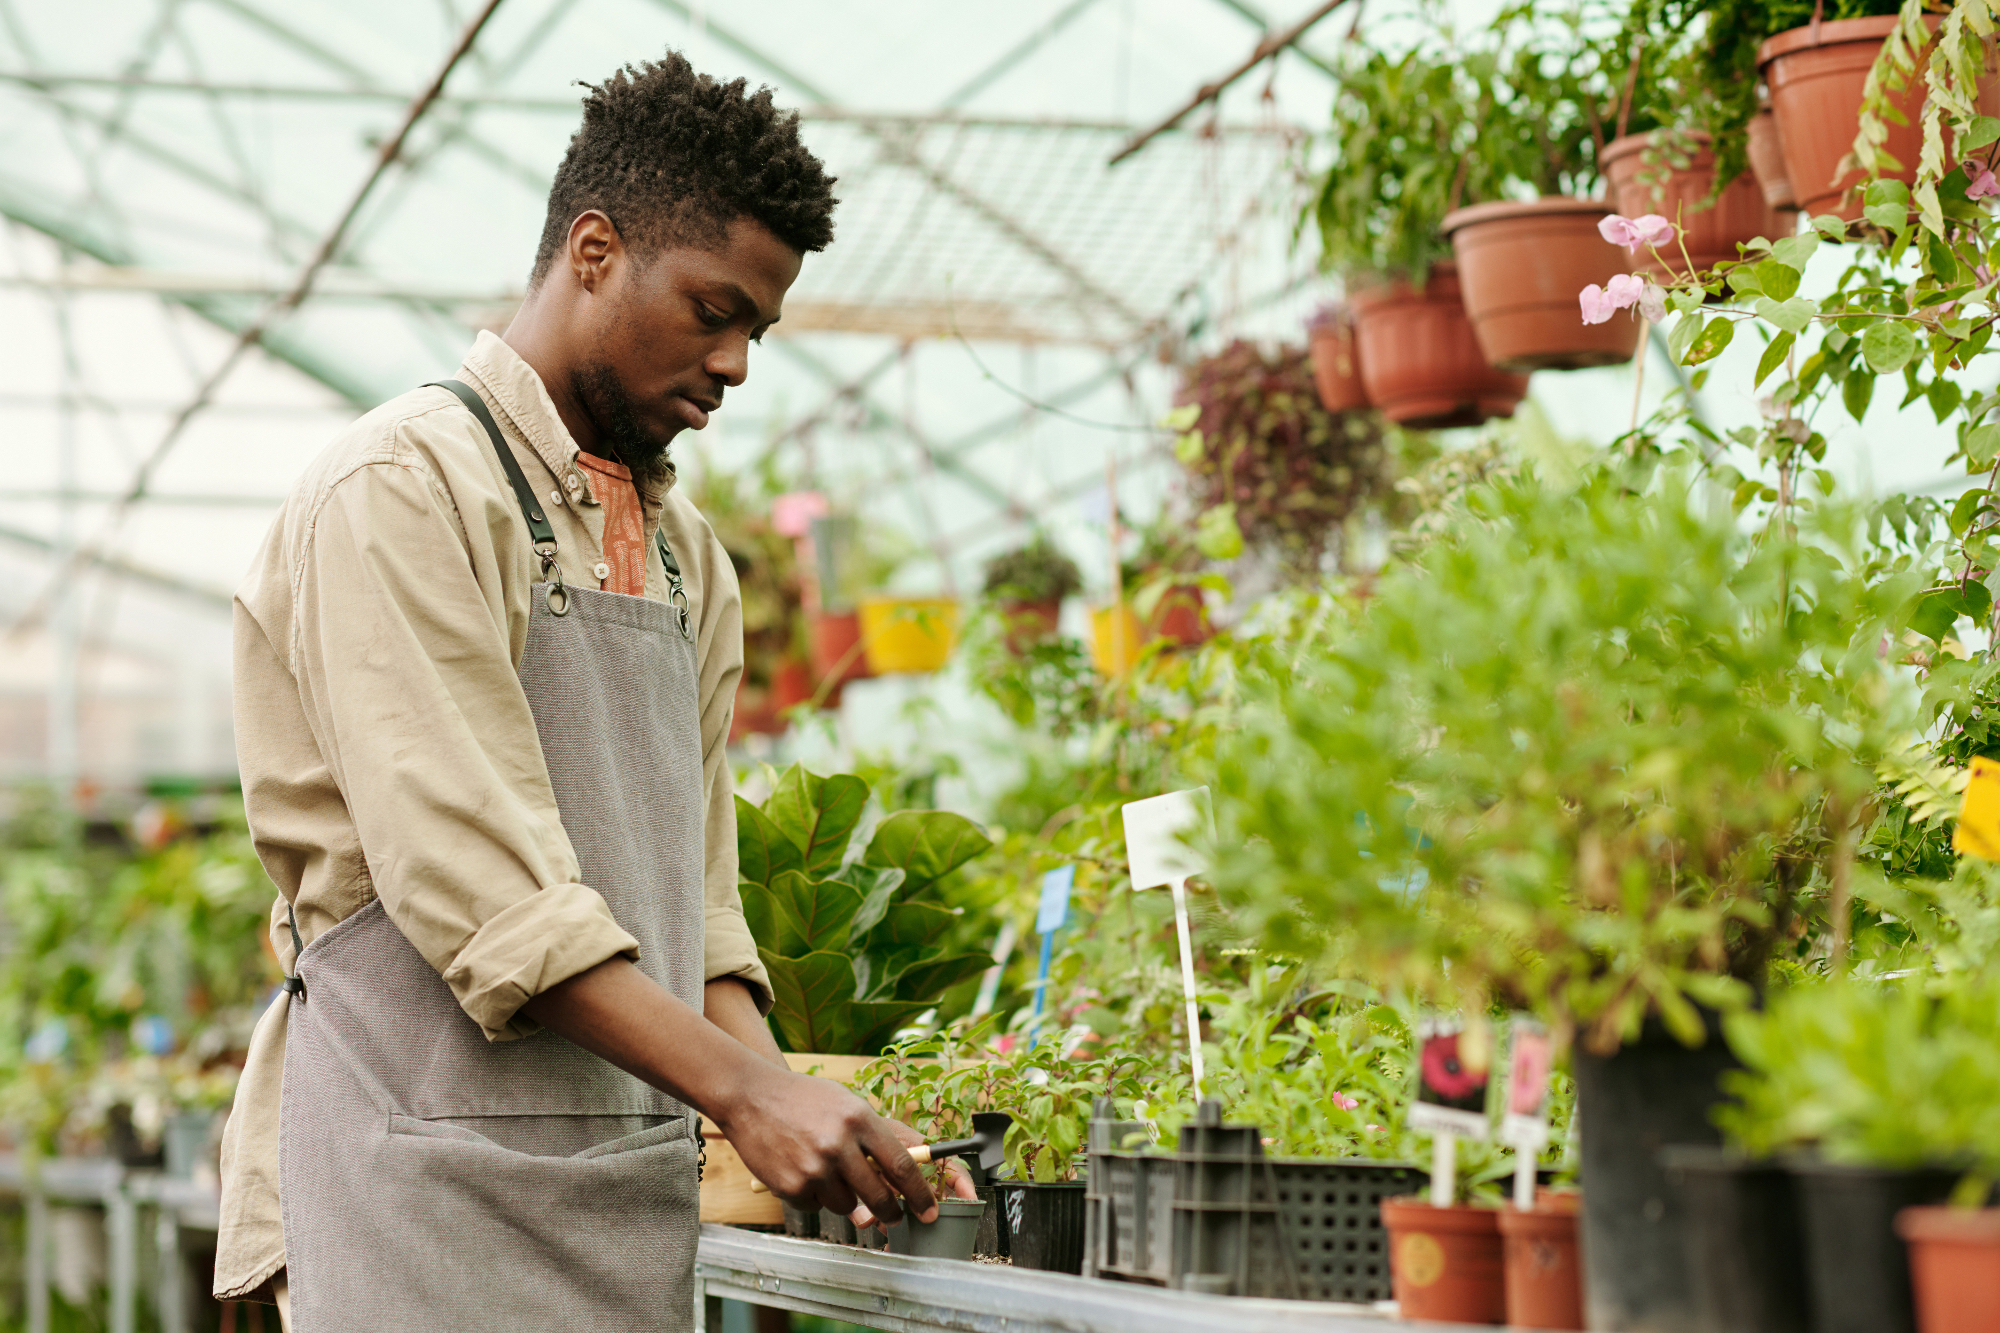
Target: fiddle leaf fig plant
{"points": [[846, 933]]}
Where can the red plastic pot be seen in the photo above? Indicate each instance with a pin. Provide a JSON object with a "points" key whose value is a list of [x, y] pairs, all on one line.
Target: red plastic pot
{"points": [[1029, 623], [1181, 618], [1420, 361], [1446, 1263], [1336, 362], [1954, 1267], [1709, 235], [1544, 1275], [1523, 265], [1815, 75], [1767, 161]]}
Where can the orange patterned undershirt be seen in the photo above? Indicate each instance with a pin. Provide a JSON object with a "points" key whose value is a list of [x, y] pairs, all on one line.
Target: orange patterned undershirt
{"points": [[624, 525]]}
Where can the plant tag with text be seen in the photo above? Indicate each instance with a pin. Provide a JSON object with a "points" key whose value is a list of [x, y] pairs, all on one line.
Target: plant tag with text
{"points": [[1525, 1122], [1454, 1063]]}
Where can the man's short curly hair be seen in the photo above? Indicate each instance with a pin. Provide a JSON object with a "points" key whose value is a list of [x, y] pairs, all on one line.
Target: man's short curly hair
{"points": [[673, 157]]}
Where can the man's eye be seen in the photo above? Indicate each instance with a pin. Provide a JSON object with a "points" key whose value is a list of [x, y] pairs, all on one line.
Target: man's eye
{"points": [[711, 318]]}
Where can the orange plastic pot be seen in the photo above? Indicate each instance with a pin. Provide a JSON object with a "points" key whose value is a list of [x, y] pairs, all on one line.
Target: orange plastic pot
{"points": [[1954, 1267], [1420, 361], [1523, 266], [1544, 1275], [1709, 235], [1815, 75], [1336, 363], [1446, 1263], [1767, 161], [836, 651]]}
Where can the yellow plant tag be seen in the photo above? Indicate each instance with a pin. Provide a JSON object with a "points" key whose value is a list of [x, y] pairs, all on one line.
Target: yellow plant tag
{"points": [[1978, 831]]}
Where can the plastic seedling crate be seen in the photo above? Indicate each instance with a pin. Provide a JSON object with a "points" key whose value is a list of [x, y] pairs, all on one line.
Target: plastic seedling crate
{"points": [[1128, 1202], [1331, 1222]]}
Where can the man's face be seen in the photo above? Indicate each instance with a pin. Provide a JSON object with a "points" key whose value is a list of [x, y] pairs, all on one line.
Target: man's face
{"points": [[670, 332]]}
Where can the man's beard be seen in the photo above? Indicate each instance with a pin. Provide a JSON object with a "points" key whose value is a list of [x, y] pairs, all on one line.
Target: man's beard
{"points": [[620, 436]]}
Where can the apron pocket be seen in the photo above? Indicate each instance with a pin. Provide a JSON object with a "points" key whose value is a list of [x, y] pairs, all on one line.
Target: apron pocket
{"points": [[676, 1128]]}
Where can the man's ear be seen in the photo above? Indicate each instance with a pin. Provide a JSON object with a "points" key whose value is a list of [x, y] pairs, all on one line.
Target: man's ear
{"points": [[595, 249]]}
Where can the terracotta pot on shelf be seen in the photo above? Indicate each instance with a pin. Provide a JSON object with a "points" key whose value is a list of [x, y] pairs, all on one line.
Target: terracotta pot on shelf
{"points": [[1030, 623], [1767, 161], [1544, 1275], [1445, 1263], [1336, 363], [1420, 360], [1708, 234], [1816, 74], [1523, 265], [1954, 1267]]}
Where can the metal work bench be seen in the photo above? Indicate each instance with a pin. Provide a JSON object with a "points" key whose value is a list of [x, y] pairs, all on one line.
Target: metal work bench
{"points": [[904, 1295]]}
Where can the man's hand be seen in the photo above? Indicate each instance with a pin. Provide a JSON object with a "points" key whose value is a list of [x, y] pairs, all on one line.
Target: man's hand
{"points": [[955, 1175], [812, 1141]]}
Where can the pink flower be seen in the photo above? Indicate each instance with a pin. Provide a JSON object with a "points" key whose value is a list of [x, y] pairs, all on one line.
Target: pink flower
{"points": [[1651, 230], [1653, 303], [1621, 293], [1984, 184], [1345, 1102]]}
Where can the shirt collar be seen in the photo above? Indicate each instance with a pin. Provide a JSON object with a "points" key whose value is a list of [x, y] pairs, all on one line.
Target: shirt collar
{"points": [[522, 400]]}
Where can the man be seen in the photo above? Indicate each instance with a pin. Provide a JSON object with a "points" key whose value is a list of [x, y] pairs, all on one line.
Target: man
{"points": [[485, 665]]}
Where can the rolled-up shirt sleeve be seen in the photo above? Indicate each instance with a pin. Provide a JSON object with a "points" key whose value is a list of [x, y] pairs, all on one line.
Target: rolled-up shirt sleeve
{"points": [[405, 666]]}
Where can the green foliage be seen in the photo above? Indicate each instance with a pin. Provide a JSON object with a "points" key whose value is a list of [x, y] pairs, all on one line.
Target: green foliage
{"points": [[1594, 754], [1037, 572], [848, 939]]}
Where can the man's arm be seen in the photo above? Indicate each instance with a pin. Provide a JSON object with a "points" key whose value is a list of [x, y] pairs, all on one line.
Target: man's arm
{"points": [[809, 1139]]}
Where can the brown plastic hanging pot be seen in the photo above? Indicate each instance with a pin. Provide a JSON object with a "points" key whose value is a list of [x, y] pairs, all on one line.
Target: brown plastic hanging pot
{"points": [[1445, 1263], [1709, 234], [1336, 364], [1767, 161], [1420, 361], [1954, 1267], [1544, 1275], [1523, 266], [1816, 75]]}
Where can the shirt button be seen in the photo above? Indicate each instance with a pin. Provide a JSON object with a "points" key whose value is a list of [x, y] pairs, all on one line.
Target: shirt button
{"points": [[602, 570], [574, 482], [555, 497]]}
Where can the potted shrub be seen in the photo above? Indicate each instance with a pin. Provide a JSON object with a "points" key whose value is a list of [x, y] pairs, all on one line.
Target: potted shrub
{"points": [[1543, 767], [1336, 360], [1406, 132], [1028, 586], [1270, 469]]}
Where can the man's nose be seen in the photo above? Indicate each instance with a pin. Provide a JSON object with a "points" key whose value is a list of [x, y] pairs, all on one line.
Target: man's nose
{"points": [[730, 362]]}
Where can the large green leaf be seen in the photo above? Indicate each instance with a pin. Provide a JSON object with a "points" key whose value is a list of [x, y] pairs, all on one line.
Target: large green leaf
{"points": [[878, 885], [928, 981], [874, 1023], [910, 925], [812, 1001], [811, 915], [762, 848], [926, 845], [818, 814], [759, 913]]}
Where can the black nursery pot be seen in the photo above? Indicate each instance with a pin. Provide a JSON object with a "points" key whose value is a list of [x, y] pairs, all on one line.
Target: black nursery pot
{"points": [[1745, 1246], [801, 1222], [1043, 1224], [991, 1243], [837, 1227], [1644, 1097], [1856, 1264]]}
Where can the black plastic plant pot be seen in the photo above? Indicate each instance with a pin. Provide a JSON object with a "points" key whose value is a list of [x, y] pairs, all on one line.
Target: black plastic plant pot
{"points": [[836, 1227], [951, 1236], [1745, 1246], [992, 1242], [1044, 1223], [801, 1222], [1857, 1265], [1650, 1095]]}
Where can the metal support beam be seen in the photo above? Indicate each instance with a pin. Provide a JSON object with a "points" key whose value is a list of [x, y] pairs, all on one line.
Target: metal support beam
{"points": [[1257, 16], [211, 599]]}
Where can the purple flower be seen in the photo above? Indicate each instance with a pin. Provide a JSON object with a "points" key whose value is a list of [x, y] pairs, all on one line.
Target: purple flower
{"points": [[1984, 184], [1597, 304], [1649, 230]]}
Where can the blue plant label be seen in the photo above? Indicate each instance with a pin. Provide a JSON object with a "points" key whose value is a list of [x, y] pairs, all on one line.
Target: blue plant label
{"points": [[1057, 885]]}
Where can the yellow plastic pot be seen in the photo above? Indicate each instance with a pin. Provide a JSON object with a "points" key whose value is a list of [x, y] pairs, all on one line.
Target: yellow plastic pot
{"points": [[908, 633], [1115, 638]]}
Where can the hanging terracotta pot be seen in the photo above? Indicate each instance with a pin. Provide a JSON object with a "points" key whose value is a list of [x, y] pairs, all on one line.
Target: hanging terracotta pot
{"points": [[1445, 1263], [1544, 1276], [1523, 265], [1027, 624], [1816, 74], [1337, 367], [1709, 235], [1420, 362], [836, 651], [1767, 161], [1955, 1267], [1181, 617]]}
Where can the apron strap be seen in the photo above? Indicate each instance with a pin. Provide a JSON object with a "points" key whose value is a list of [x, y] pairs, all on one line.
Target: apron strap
{"points": [[294, 983], [543, 536]]}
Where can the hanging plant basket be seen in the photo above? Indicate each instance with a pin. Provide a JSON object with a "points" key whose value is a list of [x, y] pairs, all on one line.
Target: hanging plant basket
{"points": [[1522, 265], [1816, 74], [1767, 164], [1679, 193], [1336, 363], [1420, 360]]}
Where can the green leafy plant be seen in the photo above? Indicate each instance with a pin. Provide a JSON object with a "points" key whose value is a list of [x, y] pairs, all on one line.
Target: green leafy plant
{"points": [[849, 939], [1037, 572]]}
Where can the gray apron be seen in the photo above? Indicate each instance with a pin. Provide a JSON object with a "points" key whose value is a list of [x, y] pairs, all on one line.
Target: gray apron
{"points": [[431, 1179]]}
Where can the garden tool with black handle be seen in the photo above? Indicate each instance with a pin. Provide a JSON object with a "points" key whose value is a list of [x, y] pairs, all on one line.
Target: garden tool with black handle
{"points": [[982, 1153]]}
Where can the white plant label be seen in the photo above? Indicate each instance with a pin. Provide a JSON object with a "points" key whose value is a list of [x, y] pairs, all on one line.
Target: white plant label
{"points": [[1156, 849]]}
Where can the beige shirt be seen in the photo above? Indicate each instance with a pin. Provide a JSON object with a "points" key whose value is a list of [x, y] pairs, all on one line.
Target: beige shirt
{"points": [[386, 746]]}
